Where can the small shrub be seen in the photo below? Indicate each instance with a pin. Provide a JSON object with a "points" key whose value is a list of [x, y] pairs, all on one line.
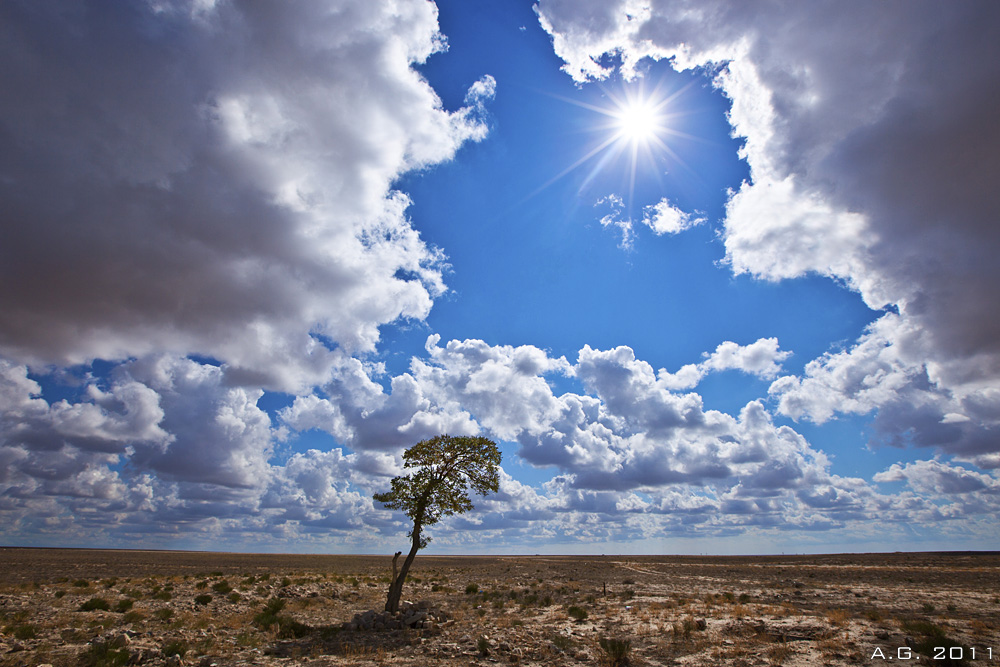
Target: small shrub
{"points": [[102, 655], [483, 646], [217, 573], [778, 653], [201, 585], [287, 628], [577, 613], [744, 598], [472, 589], [562, 642], [177, 647], [132, 617], [27, 631], [222, 587], [928, 608], [286, 582], [616, 651], [95, 604], [234, 597], [165, 596], [203, 599], [874, 615], [838, 617], [164, 614], [81, 583], [60, 594]]}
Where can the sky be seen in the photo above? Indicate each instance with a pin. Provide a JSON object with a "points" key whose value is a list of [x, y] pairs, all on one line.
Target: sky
{"points": [[718, 277]]}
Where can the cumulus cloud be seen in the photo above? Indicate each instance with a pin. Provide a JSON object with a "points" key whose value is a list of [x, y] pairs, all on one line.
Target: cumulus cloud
{"points": [[216, 180], [761, 358], [872, 150], [665, 218], [662, 217], [633, 458], [886, 373]]}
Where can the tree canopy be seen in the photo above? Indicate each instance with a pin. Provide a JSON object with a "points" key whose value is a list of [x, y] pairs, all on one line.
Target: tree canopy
{"points": [[445, 468]]}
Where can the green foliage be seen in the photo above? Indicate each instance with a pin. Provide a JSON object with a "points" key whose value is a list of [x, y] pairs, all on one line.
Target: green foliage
{"points": [[222, 587], [483, 646], [124, 605], [202, 599], [472, 589], [234, 597], [81, 583], [562, 642], [271, 618], [177, 647], [27, 631], [164, 614], [616, 650], [445, 467], [577, 613], [132, 617], [94, 604], [932, 639], [102, 655]]}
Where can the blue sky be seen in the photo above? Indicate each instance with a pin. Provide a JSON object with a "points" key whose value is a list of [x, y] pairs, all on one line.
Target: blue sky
{"points": [[250, 254]]}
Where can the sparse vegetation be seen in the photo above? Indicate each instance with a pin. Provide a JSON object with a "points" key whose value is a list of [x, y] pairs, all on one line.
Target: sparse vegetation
{"points": [[222, 587], [103, 655], [670, 619], [616, 651], [95, 604]]}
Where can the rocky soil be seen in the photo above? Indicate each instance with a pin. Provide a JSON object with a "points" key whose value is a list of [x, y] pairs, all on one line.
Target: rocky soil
{"points": [[97, 608]]}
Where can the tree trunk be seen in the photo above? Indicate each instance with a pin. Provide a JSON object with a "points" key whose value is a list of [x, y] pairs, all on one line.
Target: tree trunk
{"points": [[396, 587]]}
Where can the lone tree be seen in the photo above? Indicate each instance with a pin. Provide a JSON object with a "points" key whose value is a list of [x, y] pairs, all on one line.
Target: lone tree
{"points": [[446, 467]]}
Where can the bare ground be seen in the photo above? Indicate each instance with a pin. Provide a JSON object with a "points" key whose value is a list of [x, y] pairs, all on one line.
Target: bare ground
{"points": [[187, 608]]}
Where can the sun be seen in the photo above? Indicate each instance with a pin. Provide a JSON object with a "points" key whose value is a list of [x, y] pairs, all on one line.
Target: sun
{"points": [[635, 126], [637, 121]]}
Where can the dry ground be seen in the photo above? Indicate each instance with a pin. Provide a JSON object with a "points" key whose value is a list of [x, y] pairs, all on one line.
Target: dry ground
{"points": [[183, 608]]}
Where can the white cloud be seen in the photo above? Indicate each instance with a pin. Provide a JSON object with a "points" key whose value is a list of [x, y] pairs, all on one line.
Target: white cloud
{"points": [[761, 358], [217, 181], [872, 149], [914, 402], [634, 460], [665, 218]]}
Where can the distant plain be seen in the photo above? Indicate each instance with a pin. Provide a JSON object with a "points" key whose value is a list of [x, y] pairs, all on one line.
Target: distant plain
{"points": [[202, 608]]}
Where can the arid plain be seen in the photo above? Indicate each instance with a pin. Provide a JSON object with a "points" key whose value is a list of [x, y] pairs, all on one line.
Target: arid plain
{"points": [[93, 607]]}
